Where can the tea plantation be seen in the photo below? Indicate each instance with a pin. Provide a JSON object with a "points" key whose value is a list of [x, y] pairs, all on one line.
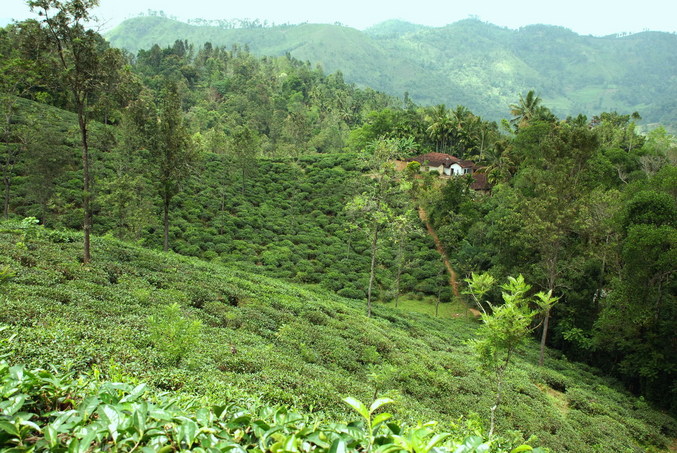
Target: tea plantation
{"points": [[206, 335]]}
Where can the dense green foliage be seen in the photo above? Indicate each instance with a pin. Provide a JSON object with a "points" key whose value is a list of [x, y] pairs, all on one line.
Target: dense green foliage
{"points": [[593, 221], [44, 411], [290, 345], [476, 64], [290, 222]]}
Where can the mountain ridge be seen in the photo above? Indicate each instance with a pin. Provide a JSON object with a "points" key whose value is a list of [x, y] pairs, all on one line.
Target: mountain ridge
{"points": [[482, 66]]}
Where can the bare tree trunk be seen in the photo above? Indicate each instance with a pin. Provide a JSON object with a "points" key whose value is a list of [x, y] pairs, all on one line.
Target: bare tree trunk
{"points": [[397, 286], [544, 336], [374, 242], [497, 402], [551, 265], [398, 277], [165, 221], [86, 194], [8, 184], [243, 179]]}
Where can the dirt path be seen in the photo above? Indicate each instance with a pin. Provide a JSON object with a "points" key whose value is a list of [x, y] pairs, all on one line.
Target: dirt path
{"points": [[453, 277]]}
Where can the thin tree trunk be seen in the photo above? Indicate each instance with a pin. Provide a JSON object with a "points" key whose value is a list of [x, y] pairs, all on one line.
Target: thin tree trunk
{"points": [[86, 195], [243, 178], [499, 389], [552, 279], [165, 221], [399, 273], [397, 286], [8, 184], [372, 271], [544, 336]]}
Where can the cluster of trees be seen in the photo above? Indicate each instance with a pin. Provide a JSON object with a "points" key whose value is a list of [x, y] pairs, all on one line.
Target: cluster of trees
{"points": [[586, 210], [454, 131]]}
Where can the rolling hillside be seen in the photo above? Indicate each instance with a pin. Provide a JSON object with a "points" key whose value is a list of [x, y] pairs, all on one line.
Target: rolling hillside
{"points": [[476, 64], [288, 344]]}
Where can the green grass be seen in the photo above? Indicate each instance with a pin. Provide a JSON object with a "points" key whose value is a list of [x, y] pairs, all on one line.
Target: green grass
{"points": [[427, 306], [286, 344]]}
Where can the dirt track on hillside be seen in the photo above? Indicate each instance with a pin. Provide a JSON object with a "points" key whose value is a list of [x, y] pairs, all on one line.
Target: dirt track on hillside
{"points": [[453, 277]]}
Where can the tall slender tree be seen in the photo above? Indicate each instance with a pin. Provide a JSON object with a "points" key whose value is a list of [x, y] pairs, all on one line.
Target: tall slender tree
{"points": [[375, 209], [79, 54], [173, 152]]}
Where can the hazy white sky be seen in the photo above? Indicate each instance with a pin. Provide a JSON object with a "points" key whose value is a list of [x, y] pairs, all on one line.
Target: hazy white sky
{"points": [[595, 17]]}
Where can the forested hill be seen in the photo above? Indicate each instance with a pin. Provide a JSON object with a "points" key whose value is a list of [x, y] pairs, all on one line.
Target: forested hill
{"points": [[479, 65]]}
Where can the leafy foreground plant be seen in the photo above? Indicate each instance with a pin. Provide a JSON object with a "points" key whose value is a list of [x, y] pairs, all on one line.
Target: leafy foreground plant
{"points": [[42, 411], [506, 328]]}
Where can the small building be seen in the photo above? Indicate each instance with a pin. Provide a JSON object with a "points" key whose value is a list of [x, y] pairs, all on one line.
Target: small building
{"points": [[448, 165]]}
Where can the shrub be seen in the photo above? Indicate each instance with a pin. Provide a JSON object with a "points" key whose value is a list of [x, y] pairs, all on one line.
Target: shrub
{"points": [[172, 334]]}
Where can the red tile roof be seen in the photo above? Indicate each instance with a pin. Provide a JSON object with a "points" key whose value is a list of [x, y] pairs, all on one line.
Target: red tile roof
{"points": [[480, 182], [435, 159], [466, 163]]}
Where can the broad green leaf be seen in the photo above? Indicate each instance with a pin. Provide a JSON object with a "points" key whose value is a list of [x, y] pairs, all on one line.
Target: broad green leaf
{"points": [[187, 431], [436, 439], [135, 393], [388, 448], [112, 417], [483, 448], [64, 418], [338, 446], [261, 425], [470, 444], [378, 403], [89, 406], [51, 436], [203, 416], [291, 444], [318, 439], [74, 446], [87, 440], [358, 406], [30, 424], [139, 420], [15, 404], [380, 418], [160, 414], [17, 372], [521, 448], [9, 428]]}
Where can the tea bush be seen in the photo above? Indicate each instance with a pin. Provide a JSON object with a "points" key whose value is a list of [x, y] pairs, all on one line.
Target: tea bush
{"points": [[44, 411], [289, 344]]}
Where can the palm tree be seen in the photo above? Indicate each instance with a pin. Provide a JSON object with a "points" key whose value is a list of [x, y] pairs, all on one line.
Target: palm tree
{"points": [[526, 110], [500, 166], [441, 128]]}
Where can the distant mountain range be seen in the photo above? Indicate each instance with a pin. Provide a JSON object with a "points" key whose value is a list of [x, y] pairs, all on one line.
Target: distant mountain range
{"points": [[472, 63]]}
